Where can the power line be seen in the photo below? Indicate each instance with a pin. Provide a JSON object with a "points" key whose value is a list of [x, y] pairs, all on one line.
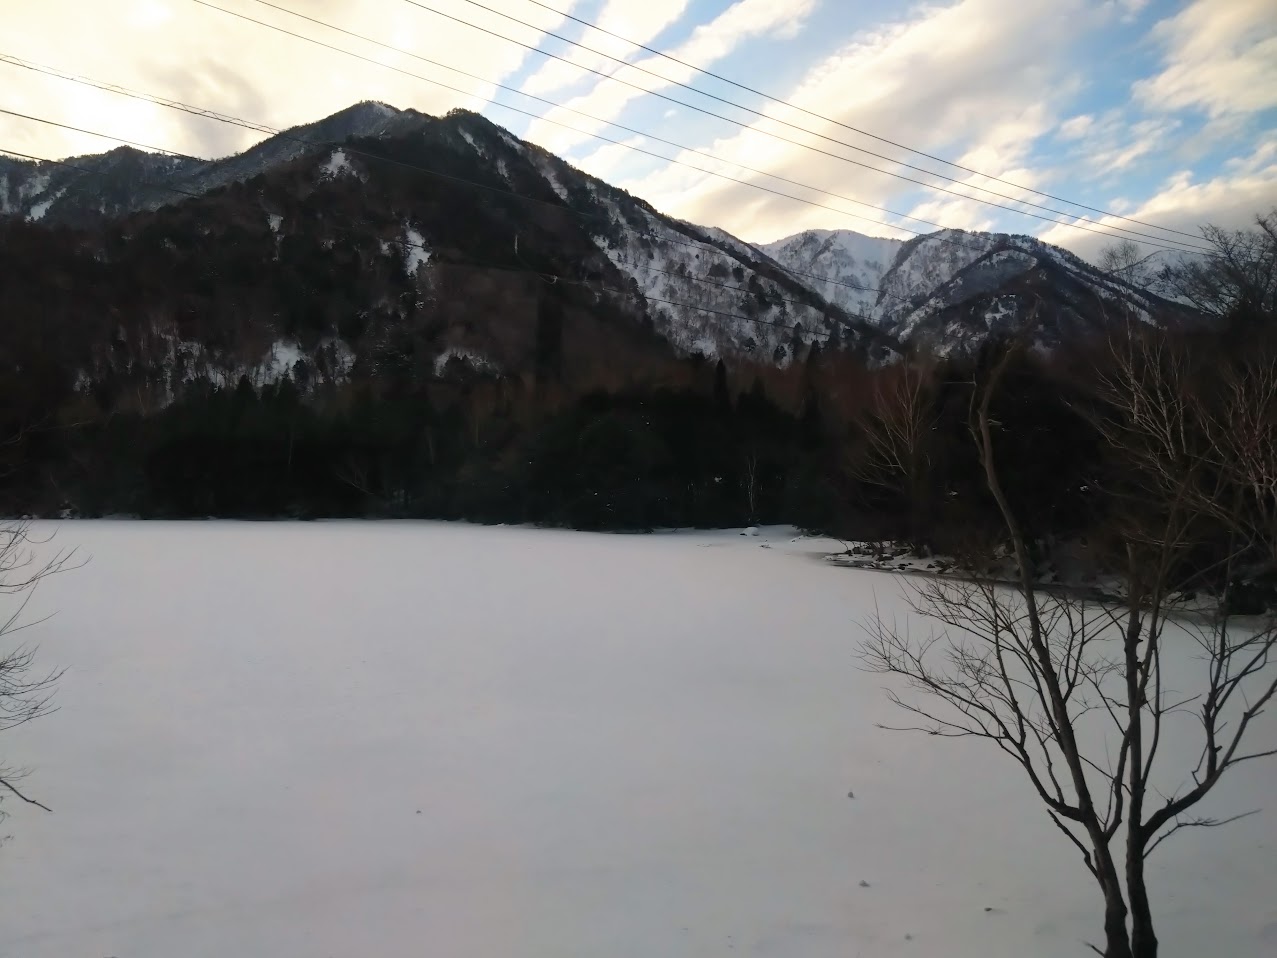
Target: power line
{"points": [[595, 119], [845, 126], [758, 113], [247, 124], [1160, 243], [260, 127], [557, 279], [537, 116], [679, 146], [227, 118], [106, 136]]}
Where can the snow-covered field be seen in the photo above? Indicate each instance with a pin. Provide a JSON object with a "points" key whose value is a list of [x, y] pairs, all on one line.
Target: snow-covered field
{"points": [[392, 739]]}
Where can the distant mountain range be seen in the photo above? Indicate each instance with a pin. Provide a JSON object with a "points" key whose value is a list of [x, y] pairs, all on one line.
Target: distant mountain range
{"points": [[323, 243]]}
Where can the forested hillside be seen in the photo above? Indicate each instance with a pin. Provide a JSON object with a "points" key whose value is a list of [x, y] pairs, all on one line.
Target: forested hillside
{"points": [[388, 314]]}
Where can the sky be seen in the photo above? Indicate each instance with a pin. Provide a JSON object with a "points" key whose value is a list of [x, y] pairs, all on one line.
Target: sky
{"points": [[1164, 112]]}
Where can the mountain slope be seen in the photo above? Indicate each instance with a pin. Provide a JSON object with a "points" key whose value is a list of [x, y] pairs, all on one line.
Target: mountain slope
{"points": [[414, 249], [843, 266], [952, 289], [127, 180], [378, 226]]}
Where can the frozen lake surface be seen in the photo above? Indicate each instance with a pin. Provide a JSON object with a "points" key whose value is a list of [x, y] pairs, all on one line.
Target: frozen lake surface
{"points": [[390, 739]]}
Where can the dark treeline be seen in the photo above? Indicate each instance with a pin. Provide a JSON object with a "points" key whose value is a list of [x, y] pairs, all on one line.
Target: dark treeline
{"points": [[708, 445], [826, 444]]}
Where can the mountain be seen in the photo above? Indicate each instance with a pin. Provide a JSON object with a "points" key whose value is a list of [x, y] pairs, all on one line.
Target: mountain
{"points": [[952, 289], [380, 239], [323, 242], [83, 190], [843, 266]]}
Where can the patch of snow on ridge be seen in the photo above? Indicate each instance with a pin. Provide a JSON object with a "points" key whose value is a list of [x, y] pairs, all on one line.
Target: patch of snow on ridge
{"points": [[558, 187], [34, 186], [415, 253], [337, 165], [476, 360]]}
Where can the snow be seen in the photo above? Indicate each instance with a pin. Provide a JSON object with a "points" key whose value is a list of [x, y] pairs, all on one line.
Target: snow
{"points": [[39, 209], [837, 261], [666, 264], [337, 164], [302, 739], [274, 220], [477, 360], [465, 135], [415, 253], [34, 186], [279, 362], [558, 187]]}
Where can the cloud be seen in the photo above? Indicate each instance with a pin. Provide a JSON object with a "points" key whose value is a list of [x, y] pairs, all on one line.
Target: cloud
{"points": [[604, 161], [1248, 186], [641, 22], [708, 43], [939, 81], [1003, 147], [1220, 57], [178, 49], [1076, 127], [1112, 143], [1128, 11]]}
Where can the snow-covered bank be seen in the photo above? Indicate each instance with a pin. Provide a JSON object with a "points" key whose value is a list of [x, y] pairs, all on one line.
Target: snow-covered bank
{"points": [[383, 739]]}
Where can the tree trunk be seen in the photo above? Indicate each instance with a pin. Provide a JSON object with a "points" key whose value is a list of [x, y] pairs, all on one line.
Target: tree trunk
{"points": [[1143, 940], [1117, 943]]}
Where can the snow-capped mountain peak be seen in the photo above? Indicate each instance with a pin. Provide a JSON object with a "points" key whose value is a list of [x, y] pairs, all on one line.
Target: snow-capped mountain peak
{"points": [[844, 267]]}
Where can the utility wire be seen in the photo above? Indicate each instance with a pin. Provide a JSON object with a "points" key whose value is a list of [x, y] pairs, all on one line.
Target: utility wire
{"points": [[260, 127], [588, 116], [758, 113], [845, 126], [237, 121], [1160, 243], [650, 136]]}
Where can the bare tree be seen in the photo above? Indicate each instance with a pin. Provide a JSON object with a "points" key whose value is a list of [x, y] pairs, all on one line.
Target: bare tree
{"points": [[1128, 262], [1240, 271], [25, 692], [896, 429], [1072, 689]]}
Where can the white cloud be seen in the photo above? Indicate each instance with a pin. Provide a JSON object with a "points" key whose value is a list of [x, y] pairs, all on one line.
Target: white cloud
{"points": [[1129, 10], [1002, 147], [940, 81], [707, 44], [641, 22], [1076, 127], [1112, 144], [1231, 200], [604, 161], [191, 53], [1220, 56]]}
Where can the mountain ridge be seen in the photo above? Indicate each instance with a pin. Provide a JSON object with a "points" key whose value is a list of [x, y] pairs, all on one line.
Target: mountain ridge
{"points": [[700, 289]]}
